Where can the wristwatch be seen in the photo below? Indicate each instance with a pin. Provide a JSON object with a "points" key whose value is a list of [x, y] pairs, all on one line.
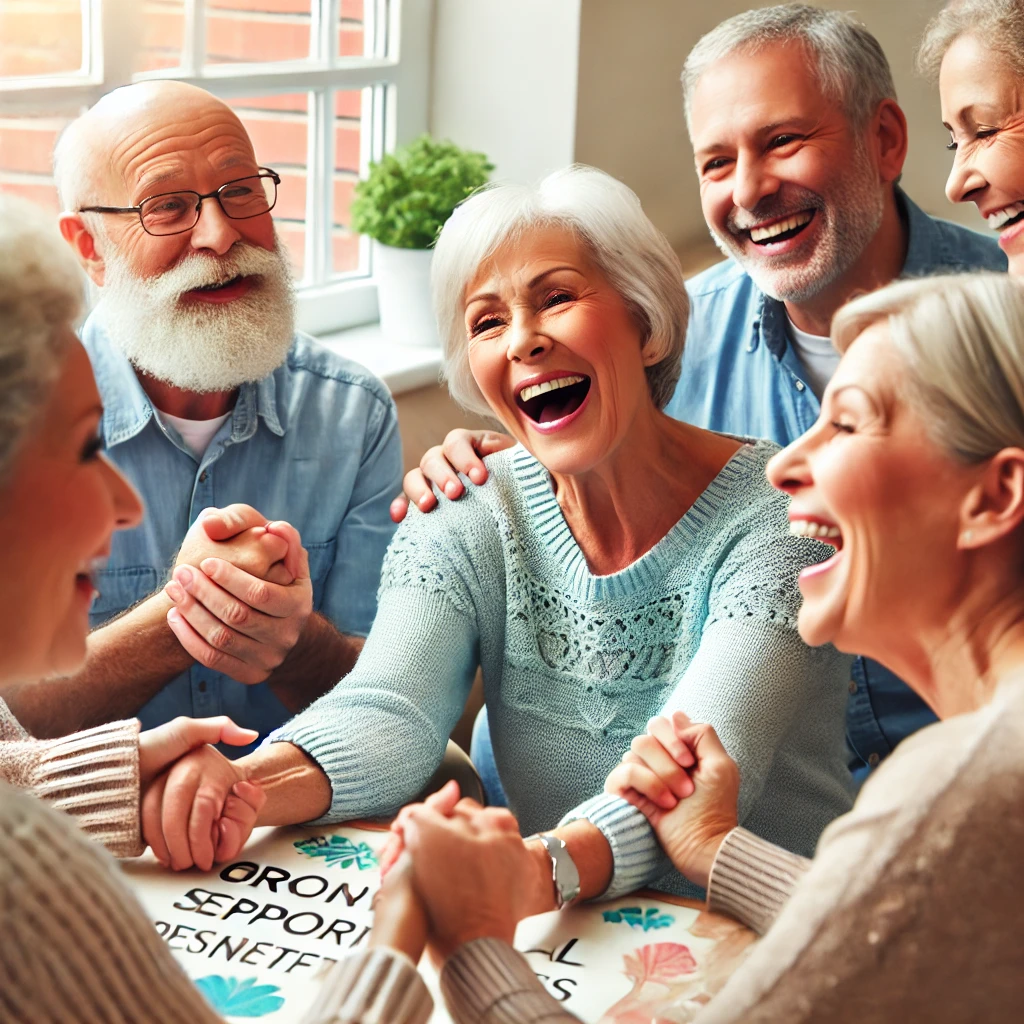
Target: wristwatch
{"points": [[563, 869]]}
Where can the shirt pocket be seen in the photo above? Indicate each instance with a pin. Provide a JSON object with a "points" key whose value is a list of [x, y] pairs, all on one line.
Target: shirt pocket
{"points": [[119, 589], [321, 561]]}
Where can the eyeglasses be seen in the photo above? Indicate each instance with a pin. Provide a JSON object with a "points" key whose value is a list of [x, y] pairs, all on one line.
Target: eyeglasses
{"points": [[171, 213]]}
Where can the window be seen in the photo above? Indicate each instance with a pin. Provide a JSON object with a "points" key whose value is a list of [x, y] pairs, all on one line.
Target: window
{"points": [[322, 86]]}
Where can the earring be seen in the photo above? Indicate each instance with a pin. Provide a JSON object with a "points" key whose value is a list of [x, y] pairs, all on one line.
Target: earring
{"points": [[968, 536]]}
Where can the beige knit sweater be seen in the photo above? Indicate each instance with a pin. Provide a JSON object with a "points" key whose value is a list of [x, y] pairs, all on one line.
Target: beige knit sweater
{"points": [[911, 911], [75, 945]]}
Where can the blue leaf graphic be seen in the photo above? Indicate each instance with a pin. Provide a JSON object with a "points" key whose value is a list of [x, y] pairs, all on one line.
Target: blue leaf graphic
{"points": [[234, 998], [636, 917], [338, 850]]}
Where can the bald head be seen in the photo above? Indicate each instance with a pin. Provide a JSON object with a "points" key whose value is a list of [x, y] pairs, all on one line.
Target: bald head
{"points": [[102, 156]]}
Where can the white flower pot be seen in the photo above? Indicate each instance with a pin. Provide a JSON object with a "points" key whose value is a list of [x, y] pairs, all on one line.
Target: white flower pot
{"points": [[403, 295]]}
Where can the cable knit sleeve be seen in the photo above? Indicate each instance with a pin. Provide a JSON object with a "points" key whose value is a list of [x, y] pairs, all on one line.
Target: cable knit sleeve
{"points": [[381, 732], [93, 776]]}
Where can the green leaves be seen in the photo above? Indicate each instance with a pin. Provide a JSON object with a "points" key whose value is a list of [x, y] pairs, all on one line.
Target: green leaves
{"points": [[409, 194]]}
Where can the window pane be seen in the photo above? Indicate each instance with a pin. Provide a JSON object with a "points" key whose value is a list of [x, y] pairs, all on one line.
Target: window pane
{"points": [[279, 128], [40, 37], [257, 30], [163, 32], [348, 131], [26, 152], [352, 39]]}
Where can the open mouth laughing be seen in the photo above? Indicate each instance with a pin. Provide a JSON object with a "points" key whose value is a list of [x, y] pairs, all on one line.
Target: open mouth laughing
{"points": [[823, 530], [1007, 217], [552, 400], [781, 230], [222, 291]]}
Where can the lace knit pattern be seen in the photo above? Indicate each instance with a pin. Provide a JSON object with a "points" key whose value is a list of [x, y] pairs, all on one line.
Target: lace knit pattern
{"points": [[575, 664]]}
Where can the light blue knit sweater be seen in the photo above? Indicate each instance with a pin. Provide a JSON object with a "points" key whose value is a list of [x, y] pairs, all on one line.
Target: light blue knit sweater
{"points": [[574, 664]]}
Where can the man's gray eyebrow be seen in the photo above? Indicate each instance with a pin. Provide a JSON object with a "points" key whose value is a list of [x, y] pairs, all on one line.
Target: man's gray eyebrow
{"points": [[765, 129], [151, 183]]}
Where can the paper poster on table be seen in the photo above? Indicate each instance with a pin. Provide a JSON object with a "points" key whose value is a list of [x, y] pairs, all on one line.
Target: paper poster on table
{"points": [[257, 935]]}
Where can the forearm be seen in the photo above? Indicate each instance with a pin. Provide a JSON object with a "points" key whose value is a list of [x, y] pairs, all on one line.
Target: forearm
{"points": [[321, 657], [590, 853], [128, 662], [296, 787]]}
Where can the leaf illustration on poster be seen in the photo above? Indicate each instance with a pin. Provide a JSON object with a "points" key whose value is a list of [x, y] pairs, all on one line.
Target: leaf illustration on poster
{"points": [[667, 986], [637, 917], [234, 998], [338, 850]]}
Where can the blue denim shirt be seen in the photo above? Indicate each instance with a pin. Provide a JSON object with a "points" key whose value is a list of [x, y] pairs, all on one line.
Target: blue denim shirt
{"points": [[315, 443], [741, 375]]}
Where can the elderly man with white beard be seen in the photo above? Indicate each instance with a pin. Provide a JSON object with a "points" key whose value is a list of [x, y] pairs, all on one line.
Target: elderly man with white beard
{"points": [[212, 399]]}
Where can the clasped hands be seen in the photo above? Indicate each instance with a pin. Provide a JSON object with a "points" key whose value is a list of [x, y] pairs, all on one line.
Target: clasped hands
{"points": [[241, 592], [454, 871], [241, 595]]}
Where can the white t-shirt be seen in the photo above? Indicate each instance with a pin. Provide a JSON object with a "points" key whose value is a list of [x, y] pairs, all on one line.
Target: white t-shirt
{"points": [[197, 434], [817, 354]]}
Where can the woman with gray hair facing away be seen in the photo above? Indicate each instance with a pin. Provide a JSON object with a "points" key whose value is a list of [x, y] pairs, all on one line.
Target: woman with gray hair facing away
{"points": [[594, 587], [75, 946]]}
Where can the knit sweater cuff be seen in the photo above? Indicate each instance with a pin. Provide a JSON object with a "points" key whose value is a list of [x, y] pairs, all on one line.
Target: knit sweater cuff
{"points": [[752, 879], [93, 776], [345, 768], [487, 982], [637, 857], [373, 986]]}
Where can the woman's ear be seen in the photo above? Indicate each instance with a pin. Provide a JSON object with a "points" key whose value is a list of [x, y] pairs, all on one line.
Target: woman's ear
{"points": [[994, 507]]}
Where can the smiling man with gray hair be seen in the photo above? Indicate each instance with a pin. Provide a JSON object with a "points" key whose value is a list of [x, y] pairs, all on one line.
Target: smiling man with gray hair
{"points": [[212, 400], [799, 145]]}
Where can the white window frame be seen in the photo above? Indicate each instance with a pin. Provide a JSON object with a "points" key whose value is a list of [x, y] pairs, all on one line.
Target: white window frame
{"points": [[395, 80]]}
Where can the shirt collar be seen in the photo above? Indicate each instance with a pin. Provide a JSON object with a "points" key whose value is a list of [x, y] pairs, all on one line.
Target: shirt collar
{"points": [[927, 245], [127, 408]]}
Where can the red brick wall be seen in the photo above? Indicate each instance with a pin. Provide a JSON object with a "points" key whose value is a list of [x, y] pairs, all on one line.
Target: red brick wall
{"points": [[45, 37]]}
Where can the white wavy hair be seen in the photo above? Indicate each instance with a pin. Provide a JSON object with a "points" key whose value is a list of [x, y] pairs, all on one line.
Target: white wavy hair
{"points": [[607, 218], [962, 339], [41, 291]]}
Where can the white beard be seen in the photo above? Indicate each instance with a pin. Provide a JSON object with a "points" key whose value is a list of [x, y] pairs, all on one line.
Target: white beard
{"points": [[201, 347]]}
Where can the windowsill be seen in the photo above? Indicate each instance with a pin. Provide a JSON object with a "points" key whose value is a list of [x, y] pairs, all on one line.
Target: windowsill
{"points": [[401, 367]]}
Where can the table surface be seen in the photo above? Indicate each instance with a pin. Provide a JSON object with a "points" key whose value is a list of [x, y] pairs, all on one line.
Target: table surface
{"points": [[267, 928]]}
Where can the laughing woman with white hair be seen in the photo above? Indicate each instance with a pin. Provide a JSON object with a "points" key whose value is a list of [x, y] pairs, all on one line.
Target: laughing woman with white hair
{"points": [[594, 587]]}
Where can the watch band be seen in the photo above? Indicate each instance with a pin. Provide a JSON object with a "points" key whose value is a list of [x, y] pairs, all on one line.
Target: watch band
{"points": [[563, 869]]}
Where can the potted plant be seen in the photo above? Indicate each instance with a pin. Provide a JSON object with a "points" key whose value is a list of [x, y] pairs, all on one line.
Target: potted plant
{"points": [[401, 205]]}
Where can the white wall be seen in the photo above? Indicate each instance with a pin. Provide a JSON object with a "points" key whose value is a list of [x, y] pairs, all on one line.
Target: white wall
{"points": [[504, 81]]}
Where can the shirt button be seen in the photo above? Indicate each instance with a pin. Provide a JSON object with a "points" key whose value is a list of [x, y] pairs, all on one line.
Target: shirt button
{"points": [[799, 386], [202, 477], [853, 686], [202, 686], [873, 760]]}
